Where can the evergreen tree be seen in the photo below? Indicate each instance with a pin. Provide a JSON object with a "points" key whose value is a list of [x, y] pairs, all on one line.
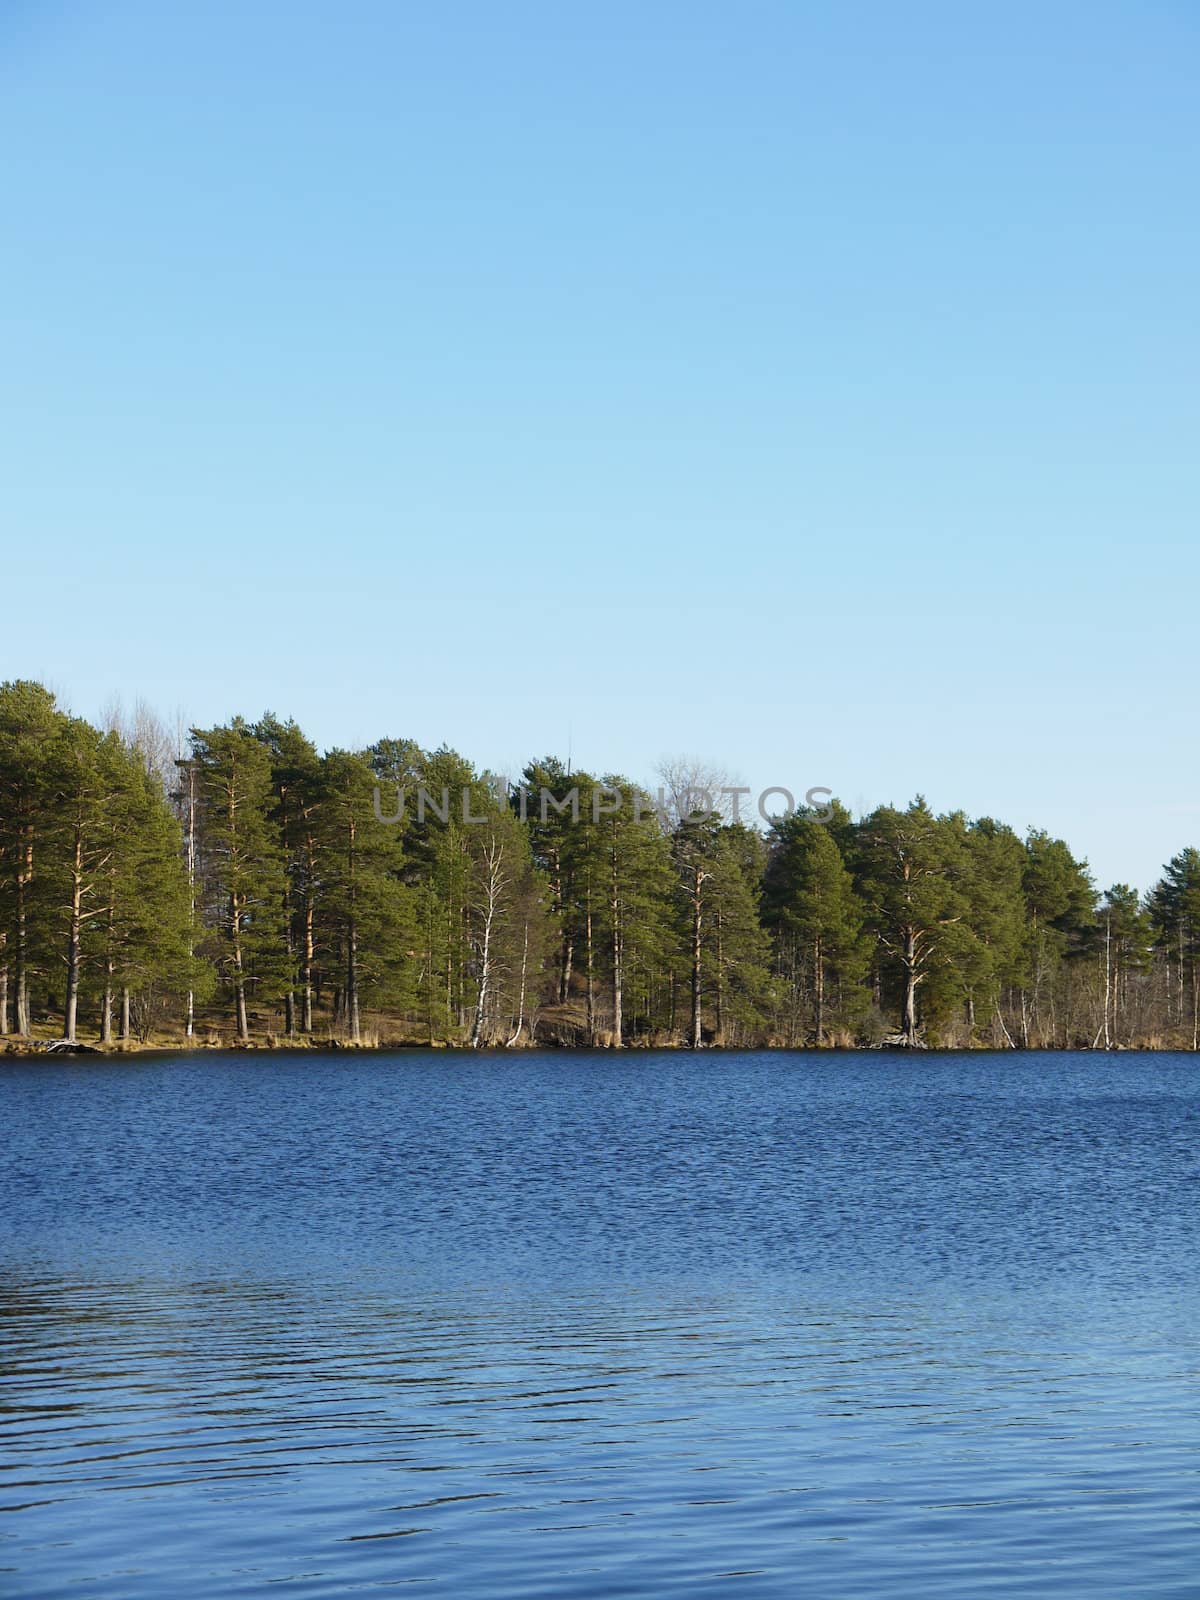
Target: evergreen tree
{"points": [[1124, 936], [1059, 912], [242, 865], [297, 779], [30, 727], [550, 823], [346, 882], [1174, 906], [91, 775], [908, 860], [737, 948], [811, 906], [437, 868], [718, 869], [993, 862], [144, 934], [365, 905], [583, 880], [630, 858]]}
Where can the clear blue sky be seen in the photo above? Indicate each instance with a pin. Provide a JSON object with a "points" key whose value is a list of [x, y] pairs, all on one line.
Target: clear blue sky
{"points": [[810, 387]]}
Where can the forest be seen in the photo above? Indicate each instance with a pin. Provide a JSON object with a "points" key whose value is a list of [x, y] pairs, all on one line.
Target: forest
{"points": [[243, 888]]}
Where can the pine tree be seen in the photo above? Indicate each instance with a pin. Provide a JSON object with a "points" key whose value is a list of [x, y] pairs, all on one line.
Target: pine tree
{"points": [[1059, 913], [1123, 938], [296, 782], [573, 849], [737, 949], [365, 906], [551, 828], [91, 776], [629, 857], [30, 726], [811, 906], [1174, 906], [437, 870], [696, 853], [242, 865], [907, 862], [147, 933], [993, 959]]}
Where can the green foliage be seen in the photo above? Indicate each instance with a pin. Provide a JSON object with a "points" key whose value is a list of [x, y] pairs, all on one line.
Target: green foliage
{"points": [[297, 892], [93, 892], [366, 912], [242, 866], [911, 864], [812, 908]]}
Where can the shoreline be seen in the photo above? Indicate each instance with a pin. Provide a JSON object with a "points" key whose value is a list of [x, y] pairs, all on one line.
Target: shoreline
{"points": [[58, 1050]]}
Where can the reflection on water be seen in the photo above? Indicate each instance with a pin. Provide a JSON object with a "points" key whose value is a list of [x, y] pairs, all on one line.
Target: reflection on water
{"points": [[556, 1326]]}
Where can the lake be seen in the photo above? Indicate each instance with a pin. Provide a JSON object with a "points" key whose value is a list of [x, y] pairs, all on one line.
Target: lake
{"points": [[563, 1325]]}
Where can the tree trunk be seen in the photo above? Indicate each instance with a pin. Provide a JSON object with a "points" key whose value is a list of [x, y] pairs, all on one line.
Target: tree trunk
{"points": [[911, 979], [591, 991], [819, 991], [189, 1019], [106, 1001], [106, 1005], [568, 961], [289, 999], [1003, 1028], [74, 940], [493, 890], [1107, 979], [1181, 983], [618, 1023], [429, 942], [516, 1033], [697, 1030], [719, 996], [1118, 985], [239, 975], [306, 1019], [125, 1019], [565, 947], [352, 1013], [24, 878]]}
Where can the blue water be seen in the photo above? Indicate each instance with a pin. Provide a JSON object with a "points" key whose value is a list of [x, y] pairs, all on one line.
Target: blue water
{"points": [[554, 1325]]}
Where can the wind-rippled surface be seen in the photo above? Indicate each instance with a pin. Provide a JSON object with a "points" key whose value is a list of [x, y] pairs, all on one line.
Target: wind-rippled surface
{"points": [[550, 1325]]}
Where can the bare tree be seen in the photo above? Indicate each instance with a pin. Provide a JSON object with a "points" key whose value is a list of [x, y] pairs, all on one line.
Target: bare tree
{"points": [[494, 883], [144, 731], [692, 790]]}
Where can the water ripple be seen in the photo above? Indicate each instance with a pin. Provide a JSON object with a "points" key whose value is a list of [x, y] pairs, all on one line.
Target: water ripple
{"points": [[545, 1328]]}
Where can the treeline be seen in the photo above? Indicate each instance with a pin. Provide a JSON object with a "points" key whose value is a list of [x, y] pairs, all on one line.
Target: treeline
{"points": [[255, 889]]}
